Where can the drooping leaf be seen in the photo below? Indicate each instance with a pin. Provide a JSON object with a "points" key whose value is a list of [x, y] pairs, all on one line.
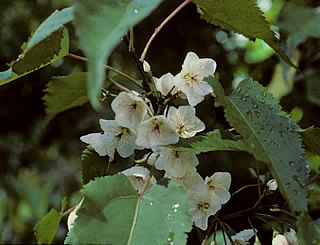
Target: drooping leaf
{"points": [[270, 136], [242, 16], [114, 214], [100, 25], [63, 93], [46, 228], [54, 47], [94, 166], [308, 232], [311, 137], [211, 142]]}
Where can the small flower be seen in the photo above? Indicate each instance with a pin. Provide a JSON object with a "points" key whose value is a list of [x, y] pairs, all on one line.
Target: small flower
{"points": [[202, 206], [165, 84], [156, 131], [138, 176], [190, 79], [272, 185], [176, 162], [130, 110], [115, 137], [73, 215], [146, 66], [279, 239], [218, 185], [185, 120], [242, 237], [190, 180]]}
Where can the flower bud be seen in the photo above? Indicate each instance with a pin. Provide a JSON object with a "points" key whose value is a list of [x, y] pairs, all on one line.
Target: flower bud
{"points": [[280, 240], [146, 66], [272, 185]]}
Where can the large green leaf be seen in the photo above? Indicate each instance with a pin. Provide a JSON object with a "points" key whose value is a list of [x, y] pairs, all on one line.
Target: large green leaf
{"points": [[46, 228], [52, 48], [114, 214], [211, 142], [94, 166], [270, 136], [242, 16], [100, 24], [63, 93]]}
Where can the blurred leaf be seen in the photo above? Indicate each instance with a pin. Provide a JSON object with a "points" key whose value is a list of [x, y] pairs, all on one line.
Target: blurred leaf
{"points": [[257, 51], [296, 114], [270, 136], [64, 204], [94, 166], [121, 217], [314, 162], [308, 232], [64, 93], [46, 228], [313, 87], [313, 191], [211, 142], [311, 137], [246, 18], [100, 26], [54, 47], [53, 23]]}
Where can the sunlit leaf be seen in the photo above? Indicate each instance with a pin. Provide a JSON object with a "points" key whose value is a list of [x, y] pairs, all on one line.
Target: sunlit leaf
{"points": [[270, 136], [211, 142], [114, 214], [100, 25], [243, 17]]}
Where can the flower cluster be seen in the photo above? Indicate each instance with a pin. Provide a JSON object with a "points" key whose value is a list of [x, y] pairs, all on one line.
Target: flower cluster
{"points": [[136, 127]]}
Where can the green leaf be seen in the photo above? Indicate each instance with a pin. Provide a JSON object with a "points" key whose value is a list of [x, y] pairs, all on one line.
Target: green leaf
{"points": [[311, 137], [313, 87], [308, 232], [64, 93], [114, 209], [243, 17], [211, 142], [54, 47], [64, 204], [100, 24], [270, 136], [94, 166], [46, 228]]}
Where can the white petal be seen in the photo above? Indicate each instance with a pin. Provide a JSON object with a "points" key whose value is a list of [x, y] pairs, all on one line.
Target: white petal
{"points": [[126, 144], [165, 84], [73, 215], [98, 142], [218, 185]]}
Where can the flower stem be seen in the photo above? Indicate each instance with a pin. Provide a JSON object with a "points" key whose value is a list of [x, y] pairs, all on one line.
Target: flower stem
{"points": [[109, 68], [157, 30]]}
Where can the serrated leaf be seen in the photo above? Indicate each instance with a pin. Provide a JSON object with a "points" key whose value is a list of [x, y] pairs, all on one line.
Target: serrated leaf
{"points": [[100, 25], [308, 232], [114, 214], [94, 166], [46, 228], [64, 93], [311, 137], [243, 17], [271, 137], [53, 23], [55, 47], [211, 142]]}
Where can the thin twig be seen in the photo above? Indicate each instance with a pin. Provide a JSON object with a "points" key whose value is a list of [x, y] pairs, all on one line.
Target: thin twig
{"points": [[157, 30], [224, 228], [68, 211], [131, 45], [109, 68], [259, 184], [254, 230], [243, 188], [313, 178], [208, 233]]}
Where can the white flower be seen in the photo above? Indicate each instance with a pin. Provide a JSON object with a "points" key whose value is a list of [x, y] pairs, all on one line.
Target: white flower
{"points": [[73, 215], [242, 237], [218, 185], [202, 206], [190, 79], [190, 180], [165, 84], [115, 137], [272, 185], [279, 240], [291, 237], [176, 162], [138, 176], [146, 66], [156, 131], [185, 120], [130, 110]]}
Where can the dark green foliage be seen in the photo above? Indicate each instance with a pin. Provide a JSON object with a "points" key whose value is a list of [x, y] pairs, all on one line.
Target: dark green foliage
{"points": [[308, 232], [94, 166], [311, 137], [270, 136]]}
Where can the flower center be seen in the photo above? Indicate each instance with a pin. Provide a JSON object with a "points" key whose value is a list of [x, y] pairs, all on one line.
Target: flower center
{"points": [[203, 206], [191, 78]]}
